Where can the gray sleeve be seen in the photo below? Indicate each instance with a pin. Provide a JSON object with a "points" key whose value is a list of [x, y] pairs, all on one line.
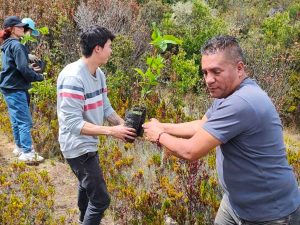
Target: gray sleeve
{"points": [[210, 110], [230, 118], [71, 104], [107, 108]]}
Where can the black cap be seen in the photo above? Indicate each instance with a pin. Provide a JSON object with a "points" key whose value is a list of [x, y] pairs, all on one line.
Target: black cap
{"points": [[13, 21]]}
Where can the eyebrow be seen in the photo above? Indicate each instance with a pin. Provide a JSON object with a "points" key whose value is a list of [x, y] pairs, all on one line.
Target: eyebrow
{"points": [[214, 68]]}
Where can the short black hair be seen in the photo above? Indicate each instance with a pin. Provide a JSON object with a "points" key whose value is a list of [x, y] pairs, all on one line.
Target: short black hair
{"points": [[224, 43], [93, 36]]}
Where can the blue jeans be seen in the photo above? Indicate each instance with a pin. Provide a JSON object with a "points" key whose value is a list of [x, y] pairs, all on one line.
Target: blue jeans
{"points": [[17, 102], [227, 216], [93, 197]]}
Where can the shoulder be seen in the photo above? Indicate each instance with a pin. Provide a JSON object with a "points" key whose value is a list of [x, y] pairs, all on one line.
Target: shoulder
{"points": [[16, 45], [101, 74], [254, 96], [249, 90], [73, 69], [71, 75], [235, 105]]}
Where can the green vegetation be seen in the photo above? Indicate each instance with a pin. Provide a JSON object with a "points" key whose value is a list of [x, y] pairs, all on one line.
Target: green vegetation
{"points": [[160, 67], [26, 196]]}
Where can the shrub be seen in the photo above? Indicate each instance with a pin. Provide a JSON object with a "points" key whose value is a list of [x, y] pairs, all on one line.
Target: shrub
{"points": [[26, 196], [115, 15], [278, 30], [185, 73], [201, 25], [153, 11], [145, 189]]}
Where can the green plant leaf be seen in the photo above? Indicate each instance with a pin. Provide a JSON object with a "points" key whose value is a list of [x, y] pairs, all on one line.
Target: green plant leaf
{"points": [[26, 38], [172, 39], [139, 71], [156, 33], [43, 30]]}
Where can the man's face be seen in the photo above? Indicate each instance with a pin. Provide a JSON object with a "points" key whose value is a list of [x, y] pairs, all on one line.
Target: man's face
{"points": [[104, 53], [222, 75]]}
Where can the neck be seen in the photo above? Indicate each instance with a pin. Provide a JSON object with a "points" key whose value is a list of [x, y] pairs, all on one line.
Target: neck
{"points": [[243, 77], [238, 83], [14, 36], [91, 65]]}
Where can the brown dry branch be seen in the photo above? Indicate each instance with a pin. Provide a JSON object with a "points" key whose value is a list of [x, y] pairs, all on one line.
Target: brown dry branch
{"points": [[120, 17], [271, 72], [115, 15]]}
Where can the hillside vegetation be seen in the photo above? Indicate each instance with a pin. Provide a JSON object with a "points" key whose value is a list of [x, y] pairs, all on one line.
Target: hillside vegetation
{"points": [[167, 79]]}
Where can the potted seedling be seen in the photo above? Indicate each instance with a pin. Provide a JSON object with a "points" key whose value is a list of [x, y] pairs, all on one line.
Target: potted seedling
{"points": [[136, 116]]}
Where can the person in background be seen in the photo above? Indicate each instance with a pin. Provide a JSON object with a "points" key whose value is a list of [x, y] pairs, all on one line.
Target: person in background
{"points": [[2, 32], [242, 123], [82, 107], [30, 27], [15, 80], [36, 63]]}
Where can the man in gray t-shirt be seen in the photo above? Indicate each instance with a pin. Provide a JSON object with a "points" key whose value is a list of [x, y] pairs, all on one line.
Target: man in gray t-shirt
{"points": [[259, 185]]}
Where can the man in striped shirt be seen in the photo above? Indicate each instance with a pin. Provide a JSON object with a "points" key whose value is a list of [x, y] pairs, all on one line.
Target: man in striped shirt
{"points": [[82, 107]]}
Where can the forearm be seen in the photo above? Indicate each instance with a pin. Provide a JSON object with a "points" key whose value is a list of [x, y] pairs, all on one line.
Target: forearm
{"points": [[184, 130], [190, 149], [119, 131], [176, 146], [21, 60], [115, 119], [95, 130]]}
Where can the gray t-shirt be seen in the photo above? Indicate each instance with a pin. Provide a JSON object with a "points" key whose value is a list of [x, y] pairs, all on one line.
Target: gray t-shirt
{"points": [[251, 161]]}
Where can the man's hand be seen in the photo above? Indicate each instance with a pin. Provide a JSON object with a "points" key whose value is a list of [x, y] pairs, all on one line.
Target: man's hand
{"points": [[152, 129], [123, 133]]}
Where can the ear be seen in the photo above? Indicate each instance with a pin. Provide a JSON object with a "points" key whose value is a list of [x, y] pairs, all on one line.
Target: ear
{"points": [[240, 66], [97, 48]]}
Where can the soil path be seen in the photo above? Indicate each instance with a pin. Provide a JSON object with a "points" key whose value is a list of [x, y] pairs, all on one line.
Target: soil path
{"points": [[62, 178]]}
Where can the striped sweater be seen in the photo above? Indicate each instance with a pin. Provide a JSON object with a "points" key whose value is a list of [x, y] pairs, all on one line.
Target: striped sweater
{"points": [[81, 97]]}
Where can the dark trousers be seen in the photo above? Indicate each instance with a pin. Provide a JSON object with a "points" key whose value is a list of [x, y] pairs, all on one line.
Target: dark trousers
{"points": [[93, 197]]}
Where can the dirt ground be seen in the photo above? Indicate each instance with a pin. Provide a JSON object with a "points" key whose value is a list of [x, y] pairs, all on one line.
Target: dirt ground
{"points": [[63, 179]]}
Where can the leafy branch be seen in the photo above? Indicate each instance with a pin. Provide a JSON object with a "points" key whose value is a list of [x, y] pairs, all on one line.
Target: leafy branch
{"points": [[28, 38], [155, 62]]}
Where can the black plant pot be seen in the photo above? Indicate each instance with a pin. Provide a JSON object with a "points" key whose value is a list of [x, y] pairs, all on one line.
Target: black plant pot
{"points": [[135, 118]]}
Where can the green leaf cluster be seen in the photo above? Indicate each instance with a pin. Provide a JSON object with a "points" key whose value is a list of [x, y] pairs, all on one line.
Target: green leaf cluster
{"points": [[28, 38]]}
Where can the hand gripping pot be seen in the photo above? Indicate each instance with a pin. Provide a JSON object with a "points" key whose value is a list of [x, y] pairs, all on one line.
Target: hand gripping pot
{"points": [[41, 64], [135, 118]]}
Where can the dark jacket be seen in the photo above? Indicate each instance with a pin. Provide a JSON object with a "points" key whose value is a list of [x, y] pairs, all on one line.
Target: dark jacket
{"points": [[16, 73]]}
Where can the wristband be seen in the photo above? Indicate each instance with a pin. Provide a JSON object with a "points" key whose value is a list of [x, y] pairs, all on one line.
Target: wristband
{"points": [[157, 140]]}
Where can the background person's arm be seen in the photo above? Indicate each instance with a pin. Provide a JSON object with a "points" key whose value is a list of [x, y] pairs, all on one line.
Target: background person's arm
{"points": [[21, 60]]}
